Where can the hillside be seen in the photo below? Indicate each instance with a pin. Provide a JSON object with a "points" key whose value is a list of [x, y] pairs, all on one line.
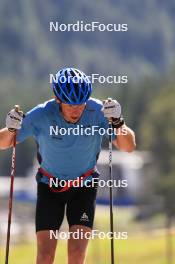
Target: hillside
{"points": [[29, 49]]}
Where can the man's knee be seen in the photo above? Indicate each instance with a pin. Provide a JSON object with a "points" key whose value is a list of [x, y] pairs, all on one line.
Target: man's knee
{"points": [[45, 248], [45, 257], [77, 250], [77, 247], [76, 256]]}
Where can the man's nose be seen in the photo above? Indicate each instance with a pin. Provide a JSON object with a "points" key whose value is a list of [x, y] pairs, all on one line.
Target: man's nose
{"points": [[75, 106], [76, 111]]}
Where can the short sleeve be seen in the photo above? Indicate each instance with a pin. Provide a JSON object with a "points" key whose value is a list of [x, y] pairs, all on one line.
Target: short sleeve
{"points": [[28, 128]]}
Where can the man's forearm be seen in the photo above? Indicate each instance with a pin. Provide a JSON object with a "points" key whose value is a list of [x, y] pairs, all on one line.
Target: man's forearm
{"points": [[6, 138], [125, 139]]}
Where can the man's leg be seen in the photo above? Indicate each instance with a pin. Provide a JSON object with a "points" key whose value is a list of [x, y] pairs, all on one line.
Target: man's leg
{"points": [[80, 215], [49, 216], [77, 247], [46, 247]]}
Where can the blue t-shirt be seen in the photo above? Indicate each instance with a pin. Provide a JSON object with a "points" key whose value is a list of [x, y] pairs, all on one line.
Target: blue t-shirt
{"points": [[65, 154]]}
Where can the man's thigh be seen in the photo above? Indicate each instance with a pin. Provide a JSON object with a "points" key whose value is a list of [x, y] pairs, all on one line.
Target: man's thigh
{"points": [[49, 209], [81, 208], [77, 243]]}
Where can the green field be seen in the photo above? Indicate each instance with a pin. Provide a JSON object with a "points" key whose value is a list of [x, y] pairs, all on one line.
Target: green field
{"points": [[139, 250]]}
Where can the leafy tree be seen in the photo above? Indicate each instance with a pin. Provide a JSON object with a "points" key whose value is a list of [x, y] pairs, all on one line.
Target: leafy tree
{"points": [[157, 135]]}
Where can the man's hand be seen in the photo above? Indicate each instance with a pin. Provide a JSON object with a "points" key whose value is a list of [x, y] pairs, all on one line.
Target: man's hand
{"points": [[112, 111], [111, 108], [14, 119]]}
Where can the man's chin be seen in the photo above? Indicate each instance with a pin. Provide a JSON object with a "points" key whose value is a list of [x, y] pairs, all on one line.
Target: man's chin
{"points": [[74, 120]]}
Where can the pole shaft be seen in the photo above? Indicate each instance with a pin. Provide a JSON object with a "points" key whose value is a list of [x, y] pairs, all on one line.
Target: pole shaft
{"points": [[111, 196], [13, 167]]}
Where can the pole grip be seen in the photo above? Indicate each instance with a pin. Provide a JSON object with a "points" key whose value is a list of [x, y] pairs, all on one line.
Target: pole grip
{"points": [[17, 108]]}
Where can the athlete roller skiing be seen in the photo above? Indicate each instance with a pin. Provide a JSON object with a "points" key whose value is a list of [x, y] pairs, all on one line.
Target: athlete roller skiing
{"points": [[67, 156]]}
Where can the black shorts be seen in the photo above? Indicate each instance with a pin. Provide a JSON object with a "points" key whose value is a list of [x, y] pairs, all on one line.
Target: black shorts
{"points": [[79, 203]]}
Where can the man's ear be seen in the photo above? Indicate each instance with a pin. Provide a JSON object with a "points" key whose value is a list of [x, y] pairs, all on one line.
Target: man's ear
{"points": [[57, 100]]}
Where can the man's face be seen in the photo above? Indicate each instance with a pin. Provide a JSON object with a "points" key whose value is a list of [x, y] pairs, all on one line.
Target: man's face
{"points": [[72, 113]]}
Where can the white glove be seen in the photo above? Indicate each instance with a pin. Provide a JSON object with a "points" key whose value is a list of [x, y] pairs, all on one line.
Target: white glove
{"points": [[14, 119], [111, 108]]}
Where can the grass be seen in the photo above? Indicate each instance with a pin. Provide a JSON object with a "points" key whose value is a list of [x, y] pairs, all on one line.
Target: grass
{"points": [[148, 249], [144, 245]]}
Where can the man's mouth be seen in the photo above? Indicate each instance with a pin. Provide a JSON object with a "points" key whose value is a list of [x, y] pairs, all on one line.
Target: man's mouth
{"points": [[74, 117]]}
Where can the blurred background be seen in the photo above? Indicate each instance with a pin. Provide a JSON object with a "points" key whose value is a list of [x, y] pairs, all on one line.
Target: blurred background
{"points": [[29, 52]]}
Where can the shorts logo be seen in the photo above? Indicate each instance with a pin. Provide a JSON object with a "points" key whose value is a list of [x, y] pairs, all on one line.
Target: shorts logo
{"points": [[84, 218]]}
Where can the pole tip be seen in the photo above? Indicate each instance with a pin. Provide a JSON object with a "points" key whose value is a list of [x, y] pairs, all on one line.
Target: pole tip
{"points": [[17, 108]]}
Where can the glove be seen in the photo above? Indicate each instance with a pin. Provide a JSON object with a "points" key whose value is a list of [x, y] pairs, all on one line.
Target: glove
{"points": [[14, 119], [112, 111]]}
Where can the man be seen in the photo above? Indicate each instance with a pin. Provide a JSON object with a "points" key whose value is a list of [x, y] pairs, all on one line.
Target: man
{"points": [[67, 157]]}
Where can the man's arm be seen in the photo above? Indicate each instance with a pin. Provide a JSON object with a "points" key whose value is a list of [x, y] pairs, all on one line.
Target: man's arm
{"points": [[6, 138], [125, 139]]}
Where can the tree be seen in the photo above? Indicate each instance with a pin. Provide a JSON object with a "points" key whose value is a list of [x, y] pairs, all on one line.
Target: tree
{"points": [[157, 135]]}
